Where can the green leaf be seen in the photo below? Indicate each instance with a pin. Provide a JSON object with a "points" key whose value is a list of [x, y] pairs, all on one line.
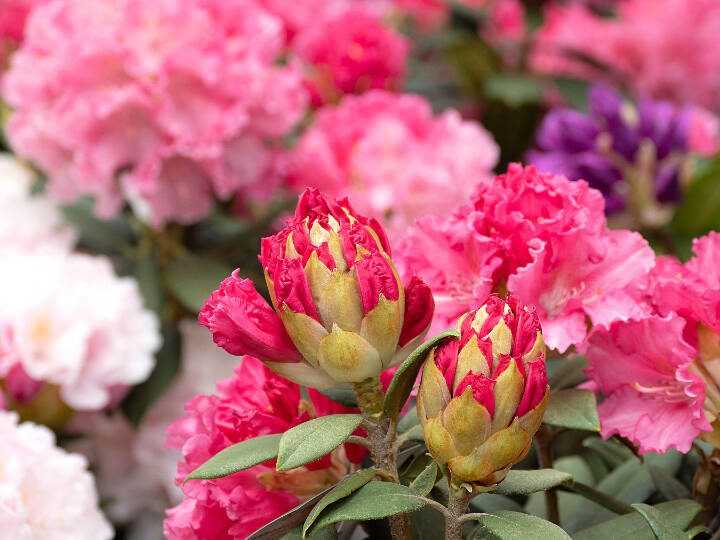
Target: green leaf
{"points": [[238, 457], [427, 524], [670, 487], [614, 453], [506, 525], [415, 433], [141, 398], [566, 373], [660, 528], [107, 236], [146, 271], [634, 527], [700, 209], [573, 409], [404, 379], [519, 482], [314, 439], [345, 488], [375, 500], [193, 278], [409, 420], [342, 393], [423, 484]]}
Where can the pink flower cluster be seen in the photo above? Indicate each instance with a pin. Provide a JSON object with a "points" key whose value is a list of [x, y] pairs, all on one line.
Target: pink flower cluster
{"points": [[13, 15], [252, 403], [349, 51], [660, 371], [392, 157], [656, 46], [539, 236], [165, 103]]}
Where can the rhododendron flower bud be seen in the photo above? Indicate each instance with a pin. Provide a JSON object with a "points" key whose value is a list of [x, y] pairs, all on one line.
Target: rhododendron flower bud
{"points": [[340, 310], [483, 396]]}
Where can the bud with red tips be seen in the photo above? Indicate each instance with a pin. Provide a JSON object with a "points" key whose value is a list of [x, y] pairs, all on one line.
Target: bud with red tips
{"points": [[340, 312], [483, 396]]}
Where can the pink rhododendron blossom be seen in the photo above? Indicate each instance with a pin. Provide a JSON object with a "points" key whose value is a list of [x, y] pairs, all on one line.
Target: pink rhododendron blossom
{"points": [[660, 371], [252, 403], [655, 46], [644, 368], [28, 222], [67, 320], [392, 157], [349, 52], [45, 492], [13, 16], [167, 104], [506, 22], [427, 14], [539, 236]]}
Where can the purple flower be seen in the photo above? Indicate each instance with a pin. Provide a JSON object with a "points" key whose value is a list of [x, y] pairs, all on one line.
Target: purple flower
{"points": [[632, 153]]}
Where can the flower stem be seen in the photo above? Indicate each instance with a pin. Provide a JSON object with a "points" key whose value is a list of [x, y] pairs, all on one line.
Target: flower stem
{"points": [[382, 433], [458, 501], [543, 443]]}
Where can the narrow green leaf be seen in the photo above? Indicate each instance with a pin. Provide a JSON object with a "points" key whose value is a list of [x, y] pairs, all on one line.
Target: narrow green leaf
{"points": [[375, 500], [238, 457], [513, 89], [314, 439], [573, 409], [342, 393], [415, 433], [518, 482], [193, 278], [670, 487], [423, 484], [660, 528], [404, 379], [409, 420], [634, 527], [427, 524], [614, 453], [508, 525], [345, 488]]}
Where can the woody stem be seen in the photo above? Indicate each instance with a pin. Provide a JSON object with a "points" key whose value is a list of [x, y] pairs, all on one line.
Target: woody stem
{"points": [[382, 433], [458, 501], [543, 443]]}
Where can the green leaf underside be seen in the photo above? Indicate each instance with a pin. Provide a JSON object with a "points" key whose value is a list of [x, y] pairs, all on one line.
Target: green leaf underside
{"points": [[314, 439], [423, 484], [573, 409], [507, 525], [343, 489], [518, 482], [633, 526], [342, 393], [238, 457], [375, 500], [404, 379], [662, 529], [289, 521]]}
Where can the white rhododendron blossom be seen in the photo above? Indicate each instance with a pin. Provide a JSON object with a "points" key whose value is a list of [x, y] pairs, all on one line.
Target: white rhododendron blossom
{"points": [[28, 221], [135, 471], [66, 319], [45, 492]]}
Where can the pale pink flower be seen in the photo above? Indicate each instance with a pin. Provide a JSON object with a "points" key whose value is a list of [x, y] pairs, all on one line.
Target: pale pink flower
{"points": [[135, 472], [539, 236], [350, 52], [69, 321], [655, 46], [253, 402], [45, 492], [392, 157], [28, 222], [169, 103]]}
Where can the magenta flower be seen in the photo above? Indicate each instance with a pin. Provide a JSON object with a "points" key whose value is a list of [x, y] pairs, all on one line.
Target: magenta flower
{"points": [[252, 403], [539, 236]]}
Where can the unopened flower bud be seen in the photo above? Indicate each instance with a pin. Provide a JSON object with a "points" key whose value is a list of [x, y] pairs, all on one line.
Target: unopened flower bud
{"points": [[483, 396], [340, 312]]}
